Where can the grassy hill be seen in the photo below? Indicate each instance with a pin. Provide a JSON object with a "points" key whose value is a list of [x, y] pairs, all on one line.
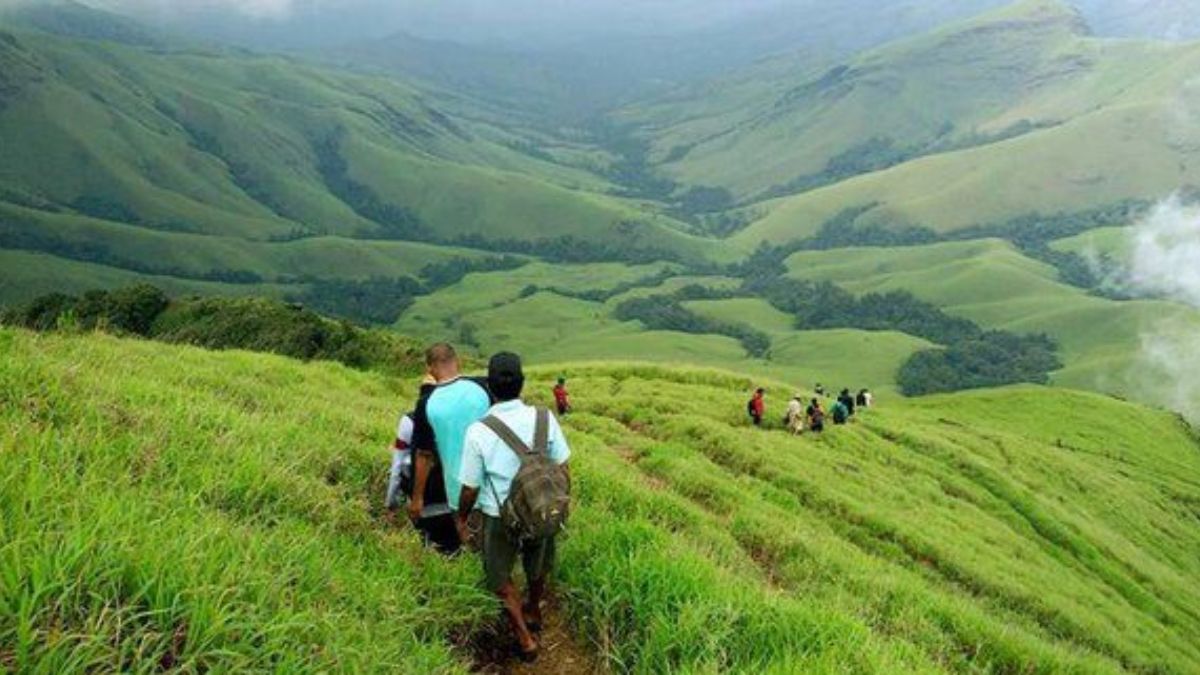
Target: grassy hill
{"points": [[991, 283], [123, 151], [1000, 113], [168, 507], [567, 313]]}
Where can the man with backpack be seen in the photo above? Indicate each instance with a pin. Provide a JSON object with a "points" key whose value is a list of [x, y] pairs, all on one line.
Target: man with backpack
{"points": [[436, 521], [515, 468], [816, 417], [756, 407], [841, 414], [439, 427], [848, 401]]}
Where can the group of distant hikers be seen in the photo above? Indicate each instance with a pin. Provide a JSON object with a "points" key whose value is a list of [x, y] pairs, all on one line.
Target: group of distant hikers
{"points": [[480, 467], [801, 418]]}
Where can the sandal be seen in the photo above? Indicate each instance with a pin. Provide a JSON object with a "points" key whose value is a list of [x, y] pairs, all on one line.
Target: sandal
{"points": [[533, 626], [528, 656]]}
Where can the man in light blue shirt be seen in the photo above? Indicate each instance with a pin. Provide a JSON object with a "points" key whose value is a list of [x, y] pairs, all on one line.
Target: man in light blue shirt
{"points": [[486, 474]]}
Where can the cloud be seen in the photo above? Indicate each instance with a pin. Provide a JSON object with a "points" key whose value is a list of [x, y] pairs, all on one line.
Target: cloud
{"points": [[256, 9], [1164, 262], [1164, 255]]}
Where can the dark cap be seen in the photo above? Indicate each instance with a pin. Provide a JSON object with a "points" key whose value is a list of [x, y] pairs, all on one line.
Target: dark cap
{"points": [[505, 376]]}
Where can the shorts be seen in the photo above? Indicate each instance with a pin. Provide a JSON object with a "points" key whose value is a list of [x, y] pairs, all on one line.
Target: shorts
{"points": [[440, 533], [500, 554]]}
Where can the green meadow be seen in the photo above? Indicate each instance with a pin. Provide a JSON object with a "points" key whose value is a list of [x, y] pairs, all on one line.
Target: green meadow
{"points": [[990, 282], [169, 507]]}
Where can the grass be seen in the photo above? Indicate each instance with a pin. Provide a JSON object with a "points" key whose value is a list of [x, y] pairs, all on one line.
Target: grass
{"points": [[31, 275], [491, 312], [201, 157], [990, 118], [218, 511], [992, 284], [197, 254]]}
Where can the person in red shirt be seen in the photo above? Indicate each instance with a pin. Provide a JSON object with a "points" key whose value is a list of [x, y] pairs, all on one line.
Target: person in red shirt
{"points": [[561, 398], [757, 407]]}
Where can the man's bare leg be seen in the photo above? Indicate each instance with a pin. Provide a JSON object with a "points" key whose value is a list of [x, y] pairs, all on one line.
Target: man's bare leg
{"points": [[533, 607], [511, 599]]}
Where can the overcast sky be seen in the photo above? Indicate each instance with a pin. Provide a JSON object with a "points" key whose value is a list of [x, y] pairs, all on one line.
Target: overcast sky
{"points": [[474, 20], [531, 23]]}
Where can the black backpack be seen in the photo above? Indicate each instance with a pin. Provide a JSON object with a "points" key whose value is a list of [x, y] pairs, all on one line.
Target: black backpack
{"points": [[539, 499], [750, 407]]}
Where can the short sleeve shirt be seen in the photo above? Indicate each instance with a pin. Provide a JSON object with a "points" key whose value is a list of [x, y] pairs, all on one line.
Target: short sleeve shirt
{"points": [[490, 465], [440, 424]]}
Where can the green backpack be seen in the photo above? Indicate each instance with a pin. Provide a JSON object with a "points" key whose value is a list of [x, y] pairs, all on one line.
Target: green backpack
{"points": [[539, 499]]}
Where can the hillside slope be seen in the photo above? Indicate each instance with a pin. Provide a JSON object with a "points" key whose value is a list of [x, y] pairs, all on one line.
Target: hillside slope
{"points": [[1003, 113], [991, 283], [171, 507], [110, 143]]}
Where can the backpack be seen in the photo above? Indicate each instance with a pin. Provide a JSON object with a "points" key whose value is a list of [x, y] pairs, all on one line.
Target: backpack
{"points": [[539, 499], [750, 407], [840, 413]]}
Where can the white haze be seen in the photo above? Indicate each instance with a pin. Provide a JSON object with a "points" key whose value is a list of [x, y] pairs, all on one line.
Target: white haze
{"points": [[1164, 261]]}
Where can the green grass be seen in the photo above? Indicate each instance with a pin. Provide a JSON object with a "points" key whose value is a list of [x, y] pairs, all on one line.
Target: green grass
{"points": [[1113, 241], [218, 511], [1102, 118], [991, 283], [486, 311], [196, 254], [169, 145], [31, 275]]}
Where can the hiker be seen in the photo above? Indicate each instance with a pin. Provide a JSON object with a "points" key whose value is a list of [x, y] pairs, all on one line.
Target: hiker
{"points": [[861, 399], [756, 407], [794, 421], [841, 414], [561, 398], [439, 426], [435, 523], [819, 390], [847, 400], [401, 463], [515, 465], [868, 398], [816, 416]]}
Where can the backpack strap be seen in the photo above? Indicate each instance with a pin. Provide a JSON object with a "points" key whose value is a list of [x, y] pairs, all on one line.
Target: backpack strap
{"points": [[506, 434], [541, 439], [541, 432]]}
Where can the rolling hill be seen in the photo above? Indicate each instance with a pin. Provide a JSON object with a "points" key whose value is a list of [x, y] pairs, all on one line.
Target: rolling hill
{"points": [[168, 507], [1000, 113], [120, 148], [989, 282]]}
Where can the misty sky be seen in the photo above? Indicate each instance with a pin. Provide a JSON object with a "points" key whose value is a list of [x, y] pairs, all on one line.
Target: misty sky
{"points": [[555, 22], [473, 20]]}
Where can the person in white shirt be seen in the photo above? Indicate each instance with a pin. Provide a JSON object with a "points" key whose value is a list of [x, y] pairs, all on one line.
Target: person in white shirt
{"points": [[795, 415], [488, 467]]}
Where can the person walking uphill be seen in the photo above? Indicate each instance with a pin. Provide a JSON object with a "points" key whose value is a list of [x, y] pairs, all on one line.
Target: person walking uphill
{"points": [[756, 407], [515, 465], [439, 427]]}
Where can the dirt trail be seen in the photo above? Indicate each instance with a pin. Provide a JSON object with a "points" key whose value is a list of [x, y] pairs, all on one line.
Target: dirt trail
{"points": [[494, 650]]}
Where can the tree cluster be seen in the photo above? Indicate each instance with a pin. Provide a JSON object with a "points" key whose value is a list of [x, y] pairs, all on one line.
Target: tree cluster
{"points": [[666, 312], [254, 324], [992, 359]]}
